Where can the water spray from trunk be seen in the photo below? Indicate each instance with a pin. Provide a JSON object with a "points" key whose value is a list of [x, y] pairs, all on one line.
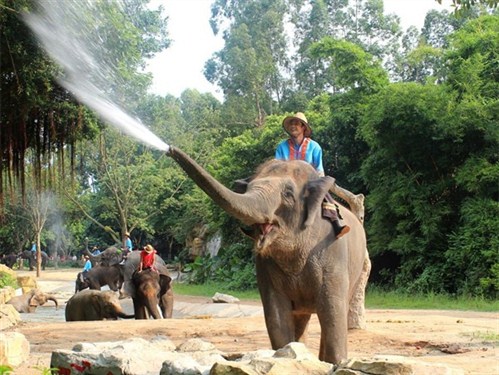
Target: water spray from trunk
{"points": [[59, 27]]}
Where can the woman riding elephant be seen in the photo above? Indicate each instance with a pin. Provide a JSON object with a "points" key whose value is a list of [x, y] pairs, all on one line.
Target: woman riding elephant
{"points": [[27, 303], [129, 287], [150, 287]]}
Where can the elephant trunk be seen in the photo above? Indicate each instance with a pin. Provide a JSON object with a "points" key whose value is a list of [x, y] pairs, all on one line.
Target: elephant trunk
{"points": [[50, 298], [241, 206], [122, 315]]}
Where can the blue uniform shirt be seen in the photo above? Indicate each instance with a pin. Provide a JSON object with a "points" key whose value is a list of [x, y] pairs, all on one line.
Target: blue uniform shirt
{"points": [[313, 153]]}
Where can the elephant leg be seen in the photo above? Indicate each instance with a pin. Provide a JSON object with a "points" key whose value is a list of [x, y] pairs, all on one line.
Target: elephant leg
{"points": [[279, 322], [332, 312], [301, 326], [277, 308], [357, 312]]}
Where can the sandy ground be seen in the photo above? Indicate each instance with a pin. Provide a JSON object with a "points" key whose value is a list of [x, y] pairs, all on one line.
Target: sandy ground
{"points": [[456, 338]]}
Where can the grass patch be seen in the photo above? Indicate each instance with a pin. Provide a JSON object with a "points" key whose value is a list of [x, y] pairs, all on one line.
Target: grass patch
{"points": [[375, 298], [486, 336], [209, 289]]}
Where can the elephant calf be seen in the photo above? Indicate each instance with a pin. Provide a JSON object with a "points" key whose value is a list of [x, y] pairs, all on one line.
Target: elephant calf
{"points": [[27, 303], [95, 305]]}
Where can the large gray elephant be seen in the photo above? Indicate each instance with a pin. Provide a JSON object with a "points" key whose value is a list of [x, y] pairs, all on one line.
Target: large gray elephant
{"points": [[301, 267], [31, 257], [94, 305], [130, 285], [150, 288], [28, 302]]}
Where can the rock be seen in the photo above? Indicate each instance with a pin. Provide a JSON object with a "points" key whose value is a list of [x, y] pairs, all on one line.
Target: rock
{"points": [[8, 317], [194, 345], [14, 348], [294, 358], [135, 356], [224, 298], [197, 357], [394, 365], [6, 293], [27, 283], [295, 350]]}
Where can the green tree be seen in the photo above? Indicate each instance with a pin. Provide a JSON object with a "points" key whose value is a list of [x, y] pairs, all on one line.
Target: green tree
{"points": [[248, 67], [474, 77], [37, 113]]}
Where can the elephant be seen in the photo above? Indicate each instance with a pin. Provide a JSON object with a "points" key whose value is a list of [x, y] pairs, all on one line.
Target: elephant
{"points": [[99, 276], [150, 287], [9, 260], [94, 305], [31, 257], [301, 268], [109, 257], [28, 302], [136, 287]]}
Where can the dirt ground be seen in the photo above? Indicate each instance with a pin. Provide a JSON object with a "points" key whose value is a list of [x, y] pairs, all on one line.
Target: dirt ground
{"points": [[456, 338]]}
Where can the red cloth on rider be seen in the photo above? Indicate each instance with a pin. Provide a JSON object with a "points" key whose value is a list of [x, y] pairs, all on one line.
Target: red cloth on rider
{"points": [[147, 259]]}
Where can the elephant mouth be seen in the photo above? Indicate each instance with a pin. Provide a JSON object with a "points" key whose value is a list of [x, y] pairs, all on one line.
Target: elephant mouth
{"points": [[262, 234], [265, 233]]}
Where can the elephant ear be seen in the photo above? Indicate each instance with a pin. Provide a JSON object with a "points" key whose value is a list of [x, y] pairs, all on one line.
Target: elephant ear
{"points": [[33, 298], [164, 283], [315, 192], [33, 302], [240, 186]]}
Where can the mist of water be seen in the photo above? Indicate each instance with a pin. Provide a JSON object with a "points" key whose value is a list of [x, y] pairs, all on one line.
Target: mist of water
{"points": [[75, 46]]}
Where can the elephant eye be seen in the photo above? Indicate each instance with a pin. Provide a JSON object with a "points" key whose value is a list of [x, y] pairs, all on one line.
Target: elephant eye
{"points": [[288, 195]]}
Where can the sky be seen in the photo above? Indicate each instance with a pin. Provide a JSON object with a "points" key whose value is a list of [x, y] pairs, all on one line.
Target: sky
{"points": [[181, 66]]}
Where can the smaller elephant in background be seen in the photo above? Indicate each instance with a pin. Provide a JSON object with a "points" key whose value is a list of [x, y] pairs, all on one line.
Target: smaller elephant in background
{"points": [[153, 295], [100, 276], [9, 260], [27, 303], [31, 257], [95, 305]]}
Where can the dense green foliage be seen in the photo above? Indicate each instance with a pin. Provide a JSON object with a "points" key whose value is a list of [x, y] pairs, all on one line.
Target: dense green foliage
{"points": [[408, 118], [7, 280]]}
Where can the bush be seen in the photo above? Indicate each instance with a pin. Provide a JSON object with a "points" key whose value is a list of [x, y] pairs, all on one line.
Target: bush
{"points": [[7, 280]]}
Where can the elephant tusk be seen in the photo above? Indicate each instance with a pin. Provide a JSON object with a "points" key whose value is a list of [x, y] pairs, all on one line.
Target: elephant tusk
{"points": [[160, 313]]}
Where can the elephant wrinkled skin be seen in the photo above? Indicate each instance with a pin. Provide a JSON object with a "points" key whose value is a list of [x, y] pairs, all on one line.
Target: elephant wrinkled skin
{"points": [[152, 290], [100, 276], [28, 302], [94, 305], [301, 267], [129, 287]]}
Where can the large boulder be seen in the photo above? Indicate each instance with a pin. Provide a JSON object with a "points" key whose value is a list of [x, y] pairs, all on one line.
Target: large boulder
{"points": [[27, 283], [195, 357], [14, 348], [6, 293], [8, 316]]}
